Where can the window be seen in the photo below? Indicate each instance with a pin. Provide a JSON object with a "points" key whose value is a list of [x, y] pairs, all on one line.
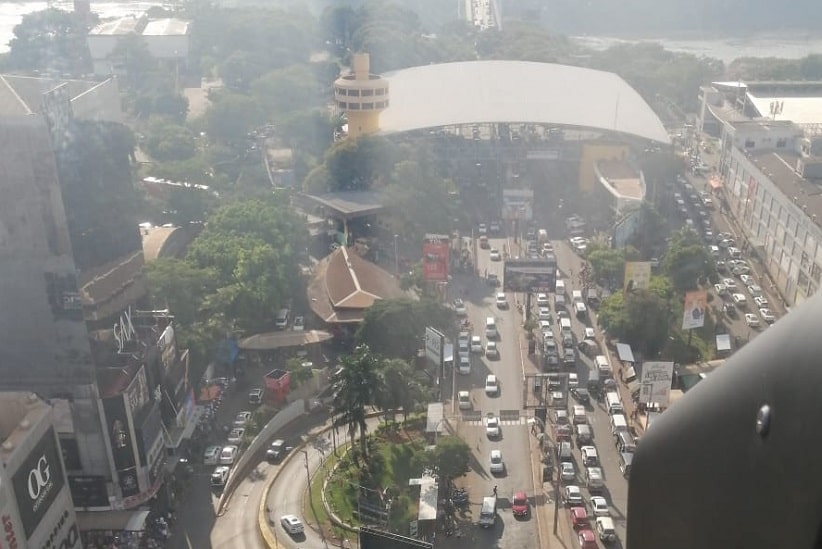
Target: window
{"points": [[343, 105], [781, 143], [380, 91], [368, 106], [367, 93], [750, 144], [355, 93]]}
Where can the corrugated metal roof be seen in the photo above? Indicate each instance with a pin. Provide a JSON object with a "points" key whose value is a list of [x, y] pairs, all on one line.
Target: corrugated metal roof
{"points": [[516, 92], [166, 27]]}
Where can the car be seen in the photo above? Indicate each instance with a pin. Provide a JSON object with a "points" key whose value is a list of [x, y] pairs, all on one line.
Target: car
{"points": [[599, 506], [740, 270], [590, 458], [464, 399], [740, 299], [567, 471], [492, 280], [491, 385], [725, 242], [751, 320], [761, 301], [730, 284], [572, 495], [729, 309], [459, 307], [721, 290], [519, 504], [574, 240], [494, 255], [544, 313], [563, 432], [228, 454], [492, 428], [299, 324], [491, 350], [502, 301], [587, 539], [219, 476], [463, 342], [494, 226], [767, 315], [542, 300], [734, 252], [588, 333], [236, 435], [560, 417], [573, 380], [562, 314], [211, 456], [276, 451], [713, 250], [747, 280], [579, 518], [482, 228], [578, 414], [581, 395], [255, 396], [707, 201], [292, 524], [496, 465], [755, 290], [721, 266], [544, 326], [476, 344], [242, 419]]}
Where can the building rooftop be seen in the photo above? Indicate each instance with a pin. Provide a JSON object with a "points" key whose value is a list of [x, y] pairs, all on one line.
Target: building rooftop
{"points": [[118, 27], [349, 204], [622, 177], [780, 168], [23, 95], [474, 92], [166, 27], [801, 110]]}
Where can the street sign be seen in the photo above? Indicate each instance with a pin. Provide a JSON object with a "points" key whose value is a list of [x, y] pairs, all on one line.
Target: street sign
{"points": [[434, 345]]}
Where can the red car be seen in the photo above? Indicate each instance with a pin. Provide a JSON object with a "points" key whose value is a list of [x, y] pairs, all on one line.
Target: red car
{"points": [[563, 433], [579, 518], [587, 539], [520, 504]]}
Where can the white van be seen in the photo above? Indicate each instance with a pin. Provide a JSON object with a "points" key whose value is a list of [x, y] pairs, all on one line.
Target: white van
{"points": [[618, 424], [488, 511], [603, 366], [576, 295], [560, 287], [593, 479], [281, 319], [565, 325], [613, 403], [491, 328]]}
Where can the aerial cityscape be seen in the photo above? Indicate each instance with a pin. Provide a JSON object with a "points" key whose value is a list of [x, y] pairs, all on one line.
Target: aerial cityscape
{"points": [[394, 274]]}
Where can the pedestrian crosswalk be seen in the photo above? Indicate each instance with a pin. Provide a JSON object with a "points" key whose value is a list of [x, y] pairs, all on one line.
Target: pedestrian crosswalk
{"points": [[503, 423]]}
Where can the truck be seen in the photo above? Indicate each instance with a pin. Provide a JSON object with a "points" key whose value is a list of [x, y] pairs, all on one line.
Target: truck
{"points": [[542, 236], [592, 297]]}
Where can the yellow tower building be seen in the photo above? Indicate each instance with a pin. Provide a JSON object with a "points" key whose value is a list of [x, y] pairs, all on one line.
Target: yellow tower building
{"points": [[362, 96]]}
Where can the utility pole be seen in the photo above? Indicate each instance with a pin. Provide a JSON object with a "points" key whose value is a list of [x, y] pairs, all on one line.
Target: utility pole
{"points": [[307, 473]]}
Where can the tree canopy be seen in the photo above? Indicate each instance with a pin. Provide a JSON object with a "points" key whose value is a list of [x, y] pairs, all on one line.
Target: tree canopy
{"points": [[687, 262], [356, 386], [51, 41], [395, 327]]}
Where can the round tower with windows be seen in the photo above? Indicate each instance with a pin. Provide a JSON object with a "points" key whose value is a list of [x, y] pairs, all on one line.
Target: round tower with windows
{"points": [[362, 96]]}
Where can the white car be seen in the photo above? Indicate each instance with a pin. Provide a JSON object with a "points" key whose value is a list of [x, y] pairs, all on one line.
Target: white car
{"points": [[730, 284], [242, 419], [761, 301], [577, 240], [459, 307], [463, 342], [721, 289], [476, 344], [589, 333], [714, 250], [746, 279], [464, 398], [496, 464], [292, 524], [544, 325], [567, 471], [599, 506], [573, 380], [236, 435], [590, 458], [492, 429], [228, 454], [752, 320], [767, 315], [740, 299], [502, 301], [491, 351], [491, 385], [482, 229], [734, 252], [220, 475], [755, 290], [544, 313], [542, 300], [299, 324], [572, 495], [494, 255], [212, 455]]}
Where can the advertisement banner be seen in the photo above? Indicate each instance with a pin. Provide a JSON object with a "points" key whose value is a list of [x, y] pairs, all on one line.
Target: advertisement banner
{"points": [[517, 204], [123, 446], [656, 382], [436, 250], [38, 481], [696, 303], [88, 491], [637, 276], [137, 391], [434, 340], [526, 275], [168, 348]]}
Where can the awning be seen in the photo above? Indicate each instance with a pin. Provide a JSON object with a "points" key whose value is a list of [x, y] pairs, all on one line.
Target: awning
{"points": [[435, 414], [134, 521], [278, 340], [723, 342], [624, 352], [429, 496]]}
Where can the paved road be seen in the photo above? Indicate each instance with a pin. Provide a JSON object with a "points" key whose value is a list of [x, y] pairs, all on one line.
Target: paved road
{"points": [[480, 303]]}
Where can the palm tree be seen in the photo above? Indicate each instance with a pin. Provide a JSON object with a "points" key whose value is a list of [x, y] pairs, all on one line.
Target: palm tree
{"points": [[356, 385], [399, 386]]}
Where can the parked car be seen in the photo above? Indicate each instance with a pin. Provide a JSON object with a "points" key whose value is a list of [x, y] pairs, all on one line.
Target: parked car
{"points": [[476, 344], [494, 255], [464, 399], [740, 299], [491, 351], [519, 504], [496, 465], [236, 435], [242, 419], [755, 290], [587, 539], [572, 495], [459, 307], [299, 324], [228, 454], [211, 456], [579, 518], [599, 506], [751, 320], [491, 385], [542, 300], [255, 396], [502, 301], [492, 427], [761, 301], [219, 476]]}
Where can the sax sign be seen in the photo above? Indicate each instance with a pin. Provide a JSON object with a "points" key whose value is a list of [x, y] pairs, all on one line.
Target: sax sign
{"points": [[38, 481]]}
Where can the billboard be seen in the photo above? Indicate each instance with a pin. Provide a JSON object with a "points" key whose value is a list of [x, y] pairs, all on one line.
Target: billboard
{"points": [[637, 276], [434, 340], [530, 275], [436, 251], [122, 443], [656, 382], [696, 303], [38, 481], [517, 204]]}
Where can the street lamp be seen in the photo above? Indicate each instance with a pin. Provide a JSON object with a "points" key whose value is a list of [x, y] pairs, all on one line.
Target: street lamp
{"points": [[396, 256], [307, 473]]}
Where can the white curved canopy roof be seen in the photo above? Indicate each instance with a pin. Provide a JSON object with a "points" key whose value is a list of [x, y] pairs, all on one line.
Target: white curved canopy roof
{"points": [[516, 92]]}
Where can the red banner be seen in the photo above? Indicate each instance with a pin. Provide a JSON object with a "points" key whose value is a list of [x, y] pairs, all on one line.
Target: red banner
{"points": [[435, 253]]}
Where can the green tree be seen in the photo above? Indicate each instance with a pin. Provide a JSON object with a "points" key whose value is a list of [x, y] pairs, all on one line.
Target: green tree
{"points": [[356, 385], [180, 286], [51, 41], [395, 327], [687, 262], [641, 318], [357, 164], [607, 266], [401, 387], [282, 92], [169, 142], [131, 54], [240, 68], [650, 234], [309, 131], [231, 117], [450, 458]]}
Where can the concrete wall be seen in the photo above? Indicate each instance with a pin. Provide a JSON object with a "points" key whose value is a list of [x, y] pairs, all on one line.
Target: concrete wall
{"points": [[102, 102]]}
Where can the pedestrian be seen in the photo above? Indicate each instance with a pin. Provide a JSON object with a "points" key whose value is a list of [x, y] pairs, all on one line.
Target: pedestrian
{"points": [[495, 490]]}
